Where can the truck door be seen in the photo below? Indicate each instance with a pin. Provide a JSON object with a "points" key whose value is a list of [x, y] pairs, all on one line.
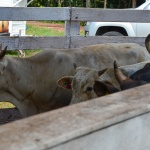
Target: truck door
{"points": [[143, 29]]}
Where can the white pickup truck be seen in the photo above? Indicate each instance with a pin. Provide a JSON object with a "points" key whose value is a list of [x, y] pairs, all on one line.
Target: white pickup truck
{"points": [[119, 28]]}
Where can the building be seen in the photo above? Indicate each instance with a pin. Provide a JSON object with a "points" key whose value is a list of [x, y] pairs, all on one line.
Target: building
{"points": [[16, 28]]}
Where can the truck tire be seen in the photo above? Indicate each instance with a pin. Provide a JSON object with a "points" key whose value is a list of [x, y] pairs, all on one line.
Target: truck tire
{"points": [[113, 33]]}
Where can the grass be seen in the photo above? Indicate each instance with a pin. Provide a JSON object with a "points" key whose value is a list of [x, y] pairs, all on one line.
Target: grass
{"points": [[81, 32], [42, 31], [54, 22], [6, 105], [27, 52]]}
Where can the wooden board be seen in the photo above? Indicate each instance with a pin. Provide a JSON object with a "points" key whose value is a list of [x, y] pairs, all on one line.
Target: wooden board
{"points": [[79, 41], [74, 14], [62, 126], [110, 15], [35, 13], [17, 43]]}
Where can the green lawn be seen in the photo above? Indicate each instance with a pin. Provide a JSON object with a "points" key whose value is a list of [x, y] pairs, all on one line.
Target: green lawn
{"points": [[42, 31]]}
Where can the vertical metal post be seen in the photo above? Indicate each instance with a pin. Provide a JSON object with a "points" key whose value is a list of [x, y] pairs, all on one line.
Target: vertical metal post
{"points": [[72, 28]]}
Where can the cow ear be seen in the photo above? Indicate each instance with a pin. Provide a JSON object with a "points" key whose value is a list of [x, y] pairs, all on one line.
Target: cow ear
{"points": [[103, 88], [110, 88], [65, 82]]}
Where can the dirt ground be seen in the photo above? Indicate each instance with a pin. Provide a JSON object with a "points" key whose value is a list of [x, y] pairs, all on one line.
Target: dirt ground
{"points": [[8, 115]]}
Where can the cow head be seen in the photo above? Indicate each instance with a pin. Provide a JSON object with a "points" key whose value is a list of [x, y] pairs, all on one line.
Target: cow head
{"points": [[85, 84]]}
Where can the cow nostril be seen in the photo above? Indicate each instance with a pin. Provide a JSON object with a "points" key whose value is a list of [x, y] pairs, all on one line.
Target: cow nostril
{"points": [[89, 89]]}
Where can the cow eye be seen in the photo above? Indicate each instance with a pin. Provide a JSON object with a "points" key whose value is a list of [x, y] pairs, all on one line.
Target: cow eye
{"points": [[89, 89]]}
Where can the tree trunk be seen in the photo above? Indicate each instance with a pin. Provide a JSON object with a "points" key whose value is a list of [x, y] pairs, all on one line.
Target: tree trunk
{"points": [[59, 3], [88, 3], [105, 4], [133, 3]]}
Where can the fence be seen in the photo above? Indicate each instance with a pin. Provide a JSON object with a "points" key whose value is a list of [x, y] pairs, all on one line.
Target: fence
{"points": [[118, 121], [72, 16]]}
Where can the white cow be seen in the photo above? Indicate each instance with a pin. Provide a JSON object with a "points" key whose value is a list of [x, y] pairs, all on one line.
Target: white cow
{"points": [[31, 83]]}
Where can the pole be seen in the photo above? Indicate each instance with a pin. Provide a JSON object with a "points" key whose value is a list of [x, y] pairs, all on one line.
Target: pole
{"points": [[105, 4]]}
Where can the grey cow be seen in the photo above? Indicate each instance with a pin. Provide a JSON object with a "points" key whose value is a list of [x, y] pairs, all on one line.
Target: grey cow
{"points": [[31, 83]]}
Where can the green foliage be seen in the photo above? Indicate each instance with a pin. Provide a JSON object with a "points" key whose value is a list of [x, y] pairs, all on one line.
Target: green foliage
{"points": [[82, 3]]}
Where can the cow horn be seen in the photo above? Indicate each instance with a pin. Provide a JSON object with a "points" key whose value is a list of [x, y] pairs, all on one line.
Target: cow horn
{"points": [[2, 54], [118, 74], [75, 66], [147, 43]]}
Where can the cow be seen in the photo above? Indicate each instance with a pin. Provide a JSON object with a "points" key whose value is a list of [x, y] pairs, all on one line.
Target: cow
{"points": [[31, 83]]}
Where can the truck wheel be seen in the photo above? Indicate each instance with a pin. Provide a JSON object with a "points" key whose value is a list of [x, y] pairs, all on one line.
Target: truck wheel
{"points": [[113, 33]]}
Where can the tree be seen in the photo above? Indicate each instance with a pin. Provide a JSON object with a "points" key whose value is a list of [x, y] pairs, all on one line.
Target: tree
{"points": [[87, 3]]}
